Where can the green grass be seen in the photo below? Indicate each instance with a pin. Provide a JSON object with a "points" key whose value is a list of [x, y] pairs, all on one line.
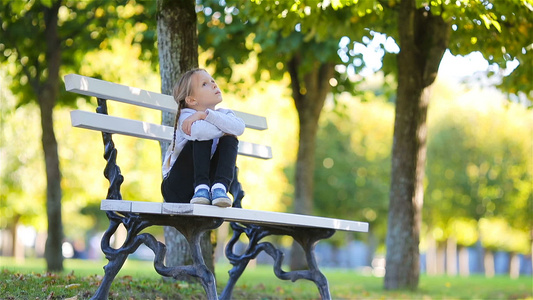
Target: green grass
{"points": [[138, 280]]}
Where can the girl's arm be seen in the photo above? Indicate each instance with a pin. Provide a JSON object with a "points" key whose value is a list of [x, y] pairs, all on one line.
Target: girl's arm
{"points": [[211, 124], [194, 128], [203, 131], [187, 123], [226, 121]]}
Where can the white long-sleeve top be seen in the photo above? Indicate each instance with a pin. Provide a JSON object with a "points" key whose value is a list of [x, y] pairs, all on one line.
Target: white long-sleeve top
{"points": [[216, 124]]}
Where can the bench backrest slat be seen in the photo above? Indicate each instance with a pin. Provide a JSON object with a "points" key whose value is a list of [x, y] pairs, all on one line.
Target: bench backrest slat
{"points": [[146, 130], [117, 92]]}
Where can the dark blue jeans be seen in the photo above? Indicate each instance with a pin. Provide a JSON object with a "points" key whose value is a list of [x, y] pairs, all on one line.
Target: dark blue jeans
{"points": [[194, 167]]}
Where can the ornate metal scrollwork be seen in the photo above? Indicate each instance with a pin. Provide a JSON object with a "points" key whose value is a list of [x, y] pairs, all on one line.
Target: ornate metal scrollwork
{"points": [[112, 170], [306, 237], [191, 227]]}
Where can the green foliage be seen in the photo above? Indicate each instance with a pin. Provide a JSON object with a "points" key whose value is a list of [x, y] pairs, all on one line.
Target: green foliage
{"points": [[232, 30], [278, 32], [84, 30], [28, 40], [478, 165], [500, 30], [497, 234], [22, 186], [465, 230], [353, 162]]}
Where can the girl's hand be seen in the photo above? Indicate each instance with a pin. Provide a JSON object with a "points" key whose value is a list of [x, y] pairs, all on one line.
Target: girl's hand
{"points": [[187, 124]]}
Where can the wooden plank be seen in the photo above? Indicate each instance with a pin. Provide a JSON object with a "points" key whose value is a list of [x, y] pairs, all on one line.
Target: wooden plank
{"points": [[89, 86], [239, 215], [146, 207], [161, 133], [116, 205]]}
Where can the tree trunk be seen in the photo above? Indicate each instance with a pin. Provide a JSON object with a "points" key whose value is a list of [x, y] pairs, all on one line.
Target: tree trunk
{"points": [[372, 246], [46, 95], [479, 257], [488, 263], [464, 261], [441, 259], [17, 246], [451, 256], [309, 93], [431, 255], [514, 265], [423, 40], [178, 52]]}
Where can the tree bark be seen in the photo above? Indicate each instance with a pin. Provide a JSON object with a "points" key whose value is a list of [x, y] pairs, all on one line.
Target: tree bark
{"points": [[309, 93], [464, 262], [178, 52], [46, 95], [451, 256], [423, 39], [441, 258], [372, 246], [16, 246], [488, 263], [431, 255], [514, 265]]}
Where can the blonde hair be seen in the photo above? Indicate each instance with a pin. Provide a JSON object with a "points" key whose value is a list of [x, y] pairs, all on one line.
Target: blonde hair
{"points": [[182, 89]]}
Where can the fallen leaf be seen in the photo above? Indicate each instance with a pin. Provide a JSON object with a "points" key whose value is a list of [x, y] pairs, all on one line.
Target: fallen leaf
{"points": [[72, 286], [50, 296]]}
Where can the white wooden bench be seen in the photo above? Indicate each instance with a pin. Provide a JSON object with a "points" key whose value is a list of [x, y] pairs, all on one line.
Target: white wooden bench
{"points": [[190, 219]]}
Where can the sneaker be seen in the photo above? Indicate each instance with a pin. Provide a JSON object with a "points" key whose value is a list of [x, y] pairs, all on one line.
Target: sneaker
{"points": [[220, 198], [201, 197]]}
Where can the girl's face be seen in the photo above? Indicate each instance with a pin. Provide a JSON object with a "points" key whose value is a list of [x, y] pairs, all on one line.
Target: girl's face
{"points": [[205, 92]]}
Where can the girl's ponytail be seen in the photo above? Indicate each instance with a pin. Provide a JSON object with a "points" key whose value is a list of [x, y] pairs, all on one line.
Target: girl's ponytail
{"points": [[178, 113], [182, 89]]}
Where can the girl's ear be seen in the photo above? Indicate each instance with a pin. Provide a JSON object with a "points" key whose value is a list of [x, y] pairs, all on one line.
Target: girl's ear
{"points": [[190, 101]]}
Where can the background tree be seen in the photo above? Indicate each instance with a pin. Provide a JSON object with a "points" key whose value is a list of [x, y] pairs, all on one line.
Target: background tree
{"points": [[20, 161], [353, 166], [423, 40], [286, 38], [290, 38], [41, 40], [477, 174], [424, 33]]}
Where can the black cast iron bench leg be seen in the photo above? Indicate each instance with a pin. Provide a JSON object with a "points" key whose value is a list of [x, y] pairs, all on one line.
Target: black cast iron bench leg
{"points": [[306, 237], [191, 227], [117, 257]]}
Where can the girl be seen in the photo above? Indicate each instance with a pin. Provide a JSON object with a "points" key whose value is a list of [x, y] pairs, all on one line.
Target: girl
{"points": [[199, 164]]}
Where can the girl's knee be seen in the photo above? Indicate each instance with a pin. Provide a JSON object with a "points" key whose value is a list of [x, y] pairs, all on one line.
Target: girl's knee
{"points": [[229, 138]]}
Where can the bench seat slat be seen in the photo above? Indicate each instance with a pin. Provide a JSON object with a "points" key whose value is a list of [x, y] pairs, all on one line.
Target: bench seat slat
{"points": [[233, 214], [117, 92], [162, 133]]}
